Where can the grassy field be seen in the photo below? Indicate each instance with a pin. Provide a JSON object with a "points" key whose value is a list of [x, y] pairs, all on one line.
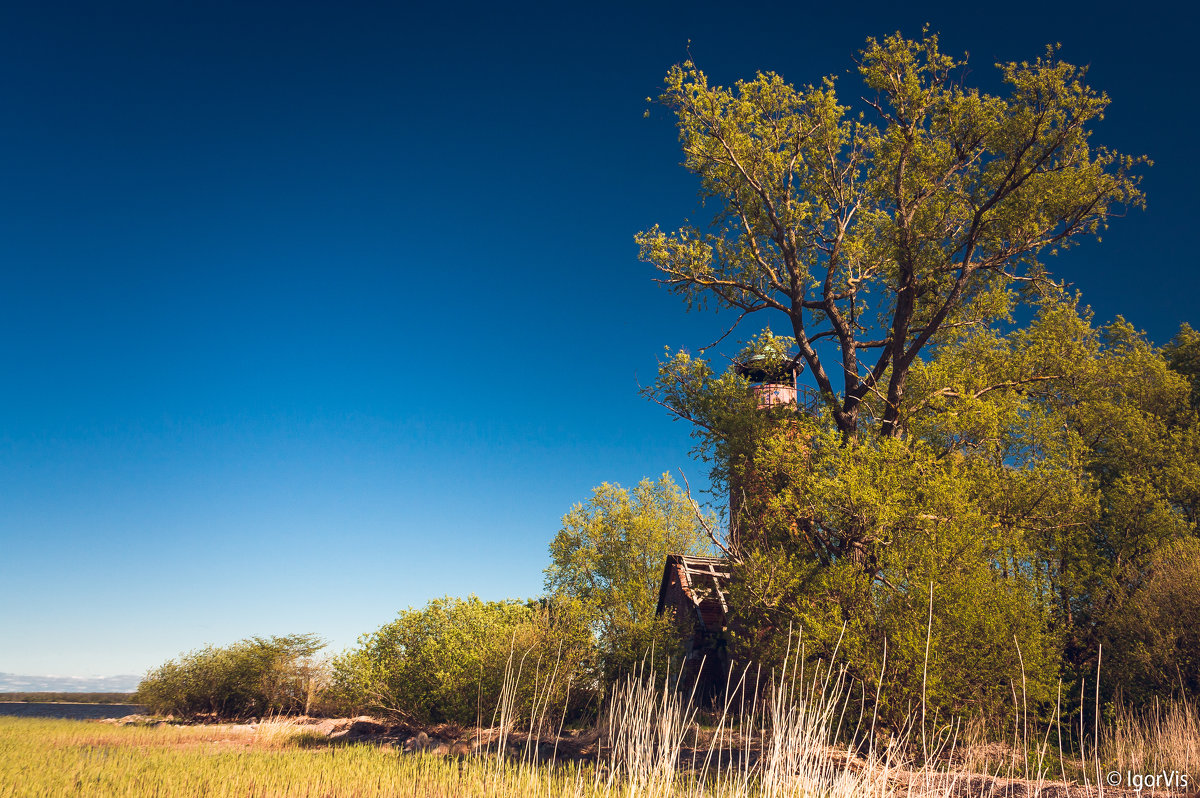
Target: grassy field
{"points": [[78, 758], [40, 757]]}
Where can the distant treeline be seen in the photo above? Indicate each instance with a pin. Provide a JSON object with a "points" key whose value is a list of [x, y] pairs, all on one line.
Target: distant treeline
{"points": [[73, 698]]}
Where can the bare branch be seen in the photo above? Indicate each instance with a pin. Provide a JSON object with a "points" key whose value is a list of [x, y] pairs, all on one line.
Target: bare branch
{"points": [[704, 524]]}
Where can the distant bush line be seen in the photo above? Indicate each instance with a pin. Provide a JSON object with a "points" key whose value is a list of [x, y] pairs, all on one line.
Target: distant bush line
{"points": [[70, 698], [254, 677]]}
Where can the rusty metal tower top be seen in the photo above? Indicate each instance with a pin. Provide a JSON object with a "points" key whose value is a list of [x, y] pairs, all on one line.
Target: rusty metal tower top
{"points": [[773, 381]]}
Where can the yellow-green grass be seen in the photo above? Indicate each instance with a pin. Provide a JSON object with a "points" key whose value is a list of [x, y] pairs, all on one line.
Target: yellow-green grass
{"points": [[40, 757]]}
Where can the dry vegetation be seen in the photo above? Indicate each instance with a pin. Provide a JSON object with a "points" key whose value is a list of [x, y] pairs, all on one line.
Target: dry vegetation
{"points": [[1163, 738]]}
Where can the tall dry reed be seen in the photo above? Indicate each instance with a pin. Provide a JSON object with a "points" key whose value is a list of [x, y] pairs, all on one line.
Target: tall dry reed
{"points": [[1164, 737]]}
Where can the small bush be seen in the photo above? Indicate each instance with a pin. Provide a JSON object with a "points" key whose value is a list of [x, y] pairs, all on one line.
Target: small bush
{"points": [[251, 678]]}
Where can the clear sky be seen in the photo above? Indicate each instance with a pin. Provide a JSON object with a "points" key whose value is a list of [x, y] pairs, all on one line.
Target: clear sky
{"points": [[315, 311]]}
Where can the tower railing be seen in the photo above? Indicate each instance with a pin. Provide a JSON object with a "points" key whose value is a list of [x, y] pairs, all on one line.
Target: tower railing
{"points": [[772, 394]]}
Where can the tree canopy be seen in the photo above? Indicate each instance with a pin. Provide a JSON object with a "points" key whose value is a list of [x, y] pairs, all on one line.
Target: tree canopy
{"points": [[609, 557], [1033, 509], [884, 231]]}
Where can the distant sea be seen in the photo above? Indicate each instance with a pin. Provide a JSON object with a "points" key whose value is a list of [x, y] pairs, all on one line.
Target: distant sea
{"points": [[73, 711]]}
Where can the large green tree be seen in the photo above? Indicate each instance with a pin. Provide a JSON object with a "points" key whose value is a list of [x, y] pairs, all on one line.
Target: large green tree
{"points": [[882, 232], [984, 440]]}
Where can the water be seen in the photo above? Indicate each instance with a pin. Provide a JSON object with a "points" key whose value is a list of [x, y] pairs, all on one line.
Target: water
{"points": [[71, 711]]}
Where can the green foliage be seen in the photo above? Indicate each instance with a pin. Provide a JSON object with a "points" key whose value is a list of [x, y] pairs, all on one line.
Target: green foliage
{"points": [[448, 660], [885, 231], [1085, 444], [848, 541], [251, 678], [608, 559], [1152, 639], [1040, 472], [1183, 355]]}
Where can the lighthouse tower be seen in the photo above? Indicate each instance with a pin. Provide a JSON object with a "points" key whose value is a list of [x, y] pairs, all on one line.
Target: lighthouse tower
{"points": [[774, 383], [696, 588]]}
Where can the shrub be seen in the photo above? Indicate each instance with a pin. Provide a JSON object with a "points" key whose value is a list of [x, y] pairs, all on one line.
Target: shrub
{"points": [[447, 661], [250, 678]]}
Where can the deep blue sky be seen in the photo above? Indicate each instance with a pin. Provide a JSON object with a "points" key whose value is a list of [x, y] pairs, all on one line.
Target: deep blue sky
{"points": [[315, 311]]}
